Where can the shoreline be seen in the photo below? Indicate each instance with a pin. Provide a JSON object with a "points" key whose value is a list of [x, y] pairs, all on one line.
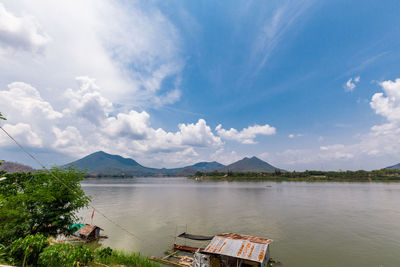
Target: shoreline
{"points": [[290, 179]]}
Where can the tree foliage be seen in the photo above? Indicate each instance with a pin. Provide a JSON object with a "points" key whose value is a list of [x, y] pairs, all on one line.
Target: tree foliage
{"points": [[2, 117], [37, 203], [25, 251], [65, 255]]}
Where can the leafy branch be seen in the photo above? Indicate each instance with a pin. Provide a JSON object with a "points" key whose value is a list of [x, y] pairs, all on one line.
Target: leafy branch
{"points": [[1, 117]]}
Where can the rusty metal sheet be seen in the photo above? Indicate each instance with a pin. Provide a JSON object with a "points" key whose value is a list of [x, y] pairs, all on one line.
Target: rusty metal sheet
{"points": [[239, 246]]}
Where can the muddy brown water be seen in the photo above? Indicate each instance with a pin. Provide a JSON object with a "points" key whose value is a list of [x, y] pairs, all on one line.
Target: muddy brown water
{"points": [[312, 224]]}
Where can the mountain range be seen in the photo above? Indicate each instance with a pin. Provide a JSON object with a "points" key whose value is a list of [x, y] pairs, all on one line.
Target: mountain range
{"points": [[253, 164], [397, 166], [104, 164], [12, 167]]}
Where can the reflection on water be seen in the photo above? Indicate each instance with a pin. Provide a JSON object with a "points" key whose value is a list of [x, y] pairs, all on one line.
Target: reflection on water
{"points": [[312, 224]]}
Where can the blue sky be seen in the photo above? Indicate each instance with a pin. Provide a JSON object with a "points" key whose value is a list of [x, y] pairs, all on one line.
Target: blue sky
{"points": [[300, 84]]}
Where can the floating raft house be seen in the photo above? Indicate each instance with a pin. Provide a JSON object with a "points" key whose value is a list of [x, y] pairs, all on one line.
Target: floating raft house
{"points": [[89, 232], [238, 250]]}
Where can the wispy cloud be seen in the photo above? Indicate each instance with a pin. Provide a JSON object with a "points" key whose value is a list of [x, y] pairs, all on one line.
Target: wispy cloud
{"points": [[291, 136], [274, 29], [129, 48]]}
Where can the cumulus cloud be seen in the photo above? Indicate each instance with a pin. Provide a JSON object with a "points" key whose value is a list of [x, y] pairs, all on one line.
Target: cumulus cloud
{"points": [[198, 134], [35, 123], [351, 84], [22, 101], [388, 106], [383, 138], [23, 133], [87, 102], [381, 142], [22, 32], [69, 141], [133, 125], [246, 135]]}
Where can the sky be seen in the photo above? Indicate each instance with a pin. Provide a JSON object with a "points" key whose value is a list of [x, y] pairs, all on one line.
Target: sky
{"points": [[301, 84]]}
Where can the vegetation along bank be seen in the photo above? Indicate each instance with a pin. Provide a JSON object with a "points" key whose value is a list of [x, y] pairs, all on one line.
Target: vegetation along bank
{"points": [[36, 207], [382, 175]]}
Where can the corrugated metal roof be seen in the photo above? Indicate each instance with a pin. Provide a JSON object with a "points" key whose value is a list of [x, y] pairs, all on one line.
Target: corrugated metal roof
{"points": [[239, 246]]}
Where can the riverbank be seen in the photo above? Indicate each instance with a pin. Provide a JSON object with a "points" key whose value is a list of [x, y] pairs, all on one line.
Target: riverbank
{"points": [[38, 250]]}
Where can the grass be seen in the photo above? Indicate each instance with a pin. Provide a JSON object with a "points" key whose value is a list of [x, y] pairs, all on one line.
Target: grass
{"points": [[110, 257]]}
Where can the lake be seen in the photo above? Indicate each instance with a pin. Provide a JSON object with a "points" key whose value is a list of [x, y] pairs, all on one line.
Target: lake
{"points": [[312, 224]]}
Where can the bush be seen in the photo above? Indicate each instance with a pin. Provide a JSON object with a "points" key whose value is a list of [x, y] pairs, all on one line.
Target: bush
{"points": [[25, 251], [59, 255], [109, 256], [103, 253], [4, 258]]}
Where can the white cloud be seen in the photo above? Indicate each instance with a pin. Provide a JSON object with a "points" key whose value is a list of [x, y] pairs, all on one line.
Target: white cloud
{"points": [[383, 139], [69, 141], [129, 47], [35, 123], [291, 136], [351, 84], [224, 156], [388, 106], [21, 33], [246, 135], [331, 147], [23, 102], [198, 134], [23, 133], [87, 102], [133, 125], [380, 144]]}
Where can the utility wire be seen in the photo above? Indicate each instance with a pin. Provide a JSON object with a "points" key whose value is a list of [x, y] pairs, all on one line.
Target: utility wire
{"points": [[66, 186]]}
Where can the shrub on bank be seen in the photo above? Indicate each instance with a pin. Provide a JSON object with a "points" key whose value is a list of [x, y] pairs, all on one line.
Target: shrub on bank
{"points": [[108, 256], [24, 251], [59, 255]]}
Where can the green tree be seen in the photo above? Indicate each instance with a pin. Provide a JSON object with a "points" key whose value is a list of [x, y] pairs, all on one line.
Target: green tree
{"points": [[37, 203], [2, 117]]}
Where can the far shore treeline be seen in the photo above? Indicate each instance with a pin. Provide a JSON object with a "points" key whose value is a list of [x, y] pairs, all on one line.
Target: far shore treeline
{"points": [[382, 175]]}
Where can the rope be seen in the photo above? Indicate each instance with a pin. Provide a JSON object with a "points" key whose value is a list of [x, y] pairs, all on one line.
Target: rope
{"points": [[66, 186]]}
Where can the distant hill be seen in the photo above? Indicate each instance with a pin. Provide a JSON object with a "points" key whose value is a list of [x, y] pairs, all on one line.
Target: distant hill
{"points": [[206, 166], [101, 163], [249, 164], [12, 167], [397, 166]]}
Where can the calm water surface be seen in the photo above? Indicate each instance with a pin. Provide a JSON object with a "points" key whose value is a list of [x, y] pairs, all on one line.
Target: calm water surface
{"points": [[312, 224]]}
